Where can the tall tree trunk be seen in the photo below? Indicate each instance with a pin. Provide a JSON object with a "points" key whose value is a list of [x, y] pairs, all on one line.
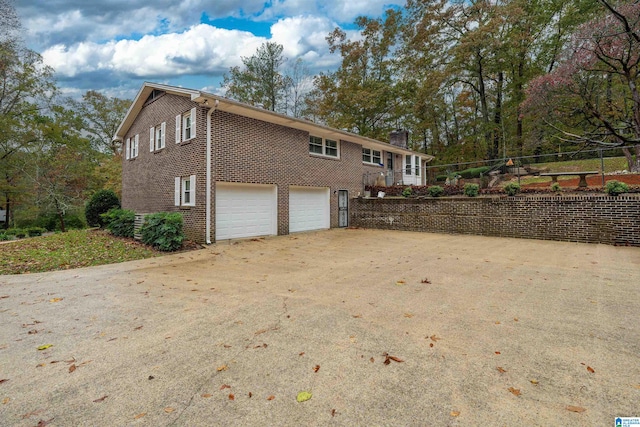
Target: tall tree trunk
{"points": [[519, 94], [60, 217], [8, 213], [484, 107], [634, 165], [497, 118]]}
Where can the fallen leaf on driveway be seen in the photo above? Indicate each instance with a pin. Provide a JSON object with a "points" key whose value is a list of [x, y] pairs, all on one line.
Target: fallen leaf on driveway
{"points": [[590, 369], [515, 391], [497, 322], [206, 395], [301, 354], [534, 382], [316, 368], [515, 319], [72, 368], [333, 412], [501, 370], [575, 408], [400, 282], [372, 360], [388, 359], [358, 316], [222, 368], [303, 396], [497, 352], [455, 413], [101, 399], [425, 280], [137, 328], [6, 400], [139, 416], [250, 394], [3, 380], [271, 397], [43, 423], [44, 347], [4, 296], [409, 315], [434, 338], [169, 409], [223, 386], [231, 396], [56, 299]]}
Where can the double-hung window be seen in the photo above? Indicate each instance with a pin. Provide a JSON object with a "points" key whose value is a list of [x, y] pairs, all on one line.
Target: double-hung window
{"points": [[417, 165], [131, 147], [157, 136], [407, 164], [323, 147], [186, 126], [185, 190], [371, 156]]}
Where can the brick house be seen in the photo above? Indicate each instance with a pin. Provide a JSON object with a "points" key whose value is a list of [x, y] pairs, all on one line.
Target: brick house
{"points": [[237, 171]]}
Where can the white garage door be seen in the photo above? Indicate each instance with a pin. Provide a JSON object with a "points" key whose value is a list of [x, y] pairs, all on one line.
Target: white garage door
{"points": [[245, 210], [308, 209]]}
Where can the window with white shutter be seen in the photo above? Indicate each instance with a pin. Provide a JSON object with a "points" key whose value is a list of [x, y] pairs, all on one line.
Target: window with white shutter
{"points": [[127, 151]]}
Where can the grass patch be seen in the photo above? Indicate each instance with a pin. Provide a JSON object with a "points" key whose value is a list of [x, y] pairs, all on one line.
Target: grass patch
{"points": [[73, 249], [611, 164]]}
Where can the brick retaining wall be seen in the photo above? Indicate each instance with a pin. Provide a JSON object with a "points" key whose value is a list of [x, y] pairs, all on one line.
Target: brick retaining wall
{"points": [[574, 218]]}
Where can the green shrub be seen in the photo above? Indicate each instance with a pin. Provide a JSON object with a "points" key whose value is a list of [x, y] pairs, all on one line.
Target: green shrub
{"points": [[436, 191], [4, 236], [163, 231], [555, 187], [73, 222], [11, 232], [35, 231], [120, 222], [407, 192], [100, 203], [474, 172], [512, 188], [18, 232], [613, 188], [471, 190]]}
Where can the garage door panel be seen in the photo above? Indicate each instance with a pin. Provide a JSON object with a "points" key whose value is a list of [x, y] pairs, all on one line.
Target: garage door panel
{"points": [[245, 210], [308, 208]]}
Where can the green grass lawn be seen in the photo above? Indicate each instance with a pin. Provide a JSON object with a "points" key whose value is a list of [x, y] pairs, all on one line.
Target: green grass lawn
{"points": [[73, 249], [611, 164]]}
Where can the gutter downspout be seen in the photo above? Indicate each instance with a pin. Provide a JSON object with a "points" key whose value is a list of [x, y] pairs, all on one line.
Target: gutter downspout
{"points": [[208, 179]]}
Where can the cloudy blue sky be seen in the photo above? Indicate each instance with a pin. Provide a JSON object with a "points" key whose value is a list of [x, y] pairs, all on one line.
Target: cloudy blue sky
{"points": [[115, 45]]}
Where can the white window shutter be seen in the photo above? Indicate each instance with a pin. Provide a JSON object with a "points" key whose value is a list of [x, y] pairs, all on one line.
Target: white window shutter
{"points": [[127, 148], [178, 189], [192, 186], [178, 122], [152, 136], [193, 122], [164, 130], [136, 144]]}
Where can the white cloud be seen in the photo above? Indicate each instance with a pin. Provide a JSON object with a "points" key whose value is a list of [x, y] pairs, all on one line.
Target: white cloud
{"points": [[343, 11], [202, 49]]}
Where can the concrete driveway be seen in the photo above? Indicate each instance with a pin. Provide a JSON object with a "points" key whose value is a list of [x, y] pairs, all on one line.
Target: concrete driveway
{"points": [[475, 331]]}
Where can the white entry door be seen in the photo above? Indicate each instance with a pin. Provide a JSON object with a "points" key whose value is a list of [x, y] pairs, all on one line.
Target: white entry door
{"points": [[309, 209], [245, 210]]}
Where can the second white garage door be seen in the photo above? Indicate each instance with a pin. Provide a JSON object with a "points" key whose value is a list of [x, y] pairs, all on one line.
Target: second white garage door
{"points": [[308, 208], [245, 210]]}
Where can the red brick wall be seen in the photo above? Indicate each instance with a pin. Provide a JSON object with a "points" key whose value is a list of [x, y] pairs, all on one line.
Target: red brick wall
{"points": [[243, 150], [588, 218], [148, 181]]}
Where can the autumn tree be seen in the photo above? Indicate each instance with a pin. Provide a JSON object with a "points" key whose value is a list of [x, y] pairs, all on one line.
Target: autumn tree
{"points": [[27, 89], [59, 168], [101, 115], [260, 80], [362, 94], [592, 97]]}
